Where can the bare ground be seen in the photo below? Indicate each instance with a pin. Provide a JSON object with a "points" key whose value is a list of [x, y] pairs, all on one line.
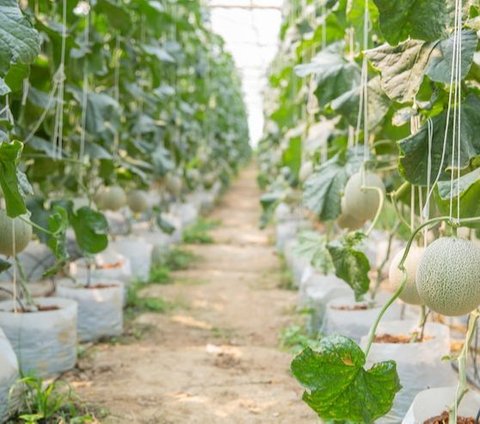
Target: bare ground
{"points": [[215, 357]]}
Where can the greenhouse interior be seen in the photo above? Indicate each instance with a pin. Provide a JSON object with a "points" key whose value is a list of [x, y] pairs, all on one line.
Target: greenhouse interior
{"points": [[240, 211]]}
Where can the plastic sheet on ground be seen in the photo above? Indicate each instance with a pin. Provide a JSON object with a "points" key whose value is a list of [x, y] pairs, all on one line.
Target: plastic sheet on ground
{"points": [[100, 310], [45, 342]]}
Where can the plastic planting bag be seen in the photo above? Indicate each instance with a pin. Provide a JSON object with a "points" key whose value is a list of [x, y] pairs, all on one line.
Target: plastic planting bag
{"points": [[8, 377], [117, 223], [139, 253], [288, 230], [45, 342], [353, 319], [419, 365], [100, 308], [316, 292], [433, 402], [186, 212], [108, 265]]}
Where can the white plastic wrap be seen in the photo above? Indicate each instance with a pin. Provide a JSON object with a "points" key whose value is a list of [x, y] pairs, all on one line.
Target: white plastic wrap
{"points": [[431, 403], [139, 253], [45, 342], [117, 223], [108, 265], [176, 222], [355, 323], [286, 231], [419, 365], [9, 375], [187, 212], [316, 292], [301, 268], [100, 310]]}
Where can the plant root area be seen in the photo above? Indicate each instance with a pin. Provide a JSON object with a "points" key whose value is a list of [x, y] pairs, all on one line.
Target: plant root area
{"points": [[214, 356]]}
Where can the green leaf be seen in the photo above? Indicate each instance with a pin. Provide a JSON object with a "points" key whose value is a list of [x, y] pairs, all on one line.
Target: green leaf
{"points": [[58, 225], [414, 158], [4, 265], [351, 265], [348, 104], [16, 75], [324, 188], [440, 64], [426, 20], [9, 156], [91, 230], [19, 42], [402, 68], [292, 155], [313, 247], [469, 188], [339, 387], [334, 74], [118, 16], [4, 88]]}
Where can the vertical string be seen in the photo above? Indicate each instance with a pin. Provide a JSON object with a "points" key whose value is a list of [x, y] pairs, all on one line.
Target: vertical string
{"points": [[85, 90]]}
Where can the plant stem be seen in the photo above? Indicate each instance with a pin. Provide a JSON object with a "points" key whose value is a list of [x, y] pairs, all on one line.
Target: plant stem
{"points": [[38, 227], [462, 387], [379, 209]]}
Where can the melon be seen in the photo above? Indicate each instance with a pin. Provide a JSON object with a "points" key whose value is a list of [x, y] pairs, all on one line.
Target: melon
{"points": [[23, 234], [111, 198], [410, 293], [362, 203], [448, 276], [174, 184], [348, 222], [137, 201]]}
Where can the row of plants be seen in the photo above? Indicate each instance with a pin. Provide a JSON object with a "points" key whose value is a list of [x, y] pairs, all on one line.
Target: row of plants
{"points": [[120, 122], [370, 145]]}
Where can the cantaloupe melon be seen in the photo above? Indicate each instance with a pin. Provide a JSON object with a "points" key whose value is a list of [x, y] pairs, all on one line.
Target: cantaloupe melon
{"points": [[409, 294], [111, 198], [23, 234], [174, 184], [448, 277], [361, 203], [137, 201], [348, 222]]}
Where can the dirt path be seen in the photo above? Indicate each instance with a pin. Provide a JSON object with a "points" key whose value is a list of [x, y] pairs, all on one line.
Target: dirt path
{"points": [[215, 358]]}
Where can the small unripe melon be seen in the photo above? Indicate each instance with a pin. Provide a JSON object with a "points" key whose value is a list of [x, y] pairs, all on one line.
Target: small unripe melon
{"points": [[23, 234], [448, 277], [361, 203], [137, 201], [174, 185], [111, 198], [410, 293]]}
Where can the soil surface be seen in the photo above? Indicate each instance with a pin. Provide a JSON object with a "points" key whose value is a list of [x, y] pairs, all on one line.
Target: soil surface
{"points": [[214, 358], [443, 419]]}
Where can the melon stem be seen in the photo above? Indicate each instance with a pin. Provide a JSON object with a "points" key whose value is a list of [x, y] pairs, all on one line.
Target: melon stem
{"points": [[379, 209], [462, 388]]}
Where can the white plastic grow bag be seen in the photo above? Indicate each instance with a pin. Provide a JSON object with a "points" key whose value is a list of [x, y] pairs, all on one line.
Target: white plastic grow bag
{"points": [[108, 265], [341, 318], [117, 223], [176, 222], [45, 342], [186, 212], [316, 292], [288, 230], [431, 403], [139, 253], [9, 375], [100, 309], [419, 365]]}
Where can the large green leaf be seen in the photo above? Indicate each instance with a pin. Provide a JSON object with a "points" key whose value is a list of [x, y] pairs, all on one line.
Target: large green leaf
{"points": [[414, 159], [118, 16], [426, 20], [334, 74], [9, 156], [351, 264], [402, 68], [91, 230], [441, 60], [348, 104], [313, 247], [292, 155], [19, 42], [324, 188], [339, 387]]}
